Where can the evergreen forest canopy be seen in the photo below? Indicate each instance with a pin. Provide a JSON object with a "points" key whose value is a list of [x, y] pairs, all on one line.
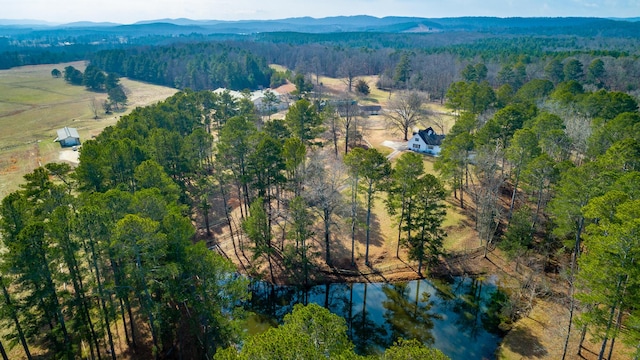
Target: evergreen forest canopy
{"points": [[551, 120], [112, 242], [196, 66]]}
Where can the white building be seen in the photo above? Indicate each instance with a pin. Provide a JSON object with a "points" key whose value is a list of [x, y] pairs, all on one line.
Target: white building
{"points": [[256, 98], [426, 142]]}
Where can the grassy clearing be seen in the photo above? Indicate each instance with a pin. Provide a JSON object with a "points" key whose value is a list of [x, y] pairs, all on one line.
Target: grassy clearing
{"points": [[458, 227], [376, 96], [277, 67], [33, 105], [337, 86]]}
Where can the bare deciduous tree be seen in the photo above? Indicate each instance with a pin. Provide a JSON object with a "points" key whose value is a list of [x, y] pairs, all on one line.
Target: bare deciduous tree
{"points": [[404, 112], [331, 120], [486, 191], [348, 111], [325, 178], [349, 69], [94, 105], [577, 126], [438, 119]]}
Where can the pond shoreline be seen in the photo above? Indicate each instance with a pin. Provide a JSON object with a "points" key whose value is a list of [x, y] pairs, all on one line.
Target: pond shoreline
{"points": [[469, 263], [446, 314]]}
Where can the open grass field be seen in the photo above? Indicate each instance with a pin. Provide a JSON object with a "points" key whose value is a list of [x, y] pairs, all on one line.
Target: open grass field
{"points": [[338, 86], [277, 67], [33, 105]]}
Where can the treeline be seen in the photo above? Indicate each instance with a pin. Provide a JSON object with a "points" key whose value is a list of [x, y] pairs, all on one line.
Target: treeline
{"points": [[434, 60], [25, 46], [95, 79], [568, 159], [33, 56], [511, 50], [196, 66], [407, 64], [586, 71]]}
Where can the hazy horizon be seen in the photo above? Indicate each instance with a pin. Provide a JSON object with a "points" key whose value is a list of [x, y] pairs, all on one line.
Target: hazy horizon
{"points": [[132, 11]]}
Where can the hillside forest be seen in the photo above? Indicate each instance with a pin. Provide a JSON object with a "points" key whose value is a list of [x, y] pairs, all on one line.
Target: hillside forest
{"points": [[543, 155]]}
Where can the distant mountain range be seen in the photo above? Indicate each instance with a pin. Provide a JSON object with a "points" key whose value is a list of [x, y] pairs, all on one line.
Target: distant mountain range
{"points": [[361, 23]]}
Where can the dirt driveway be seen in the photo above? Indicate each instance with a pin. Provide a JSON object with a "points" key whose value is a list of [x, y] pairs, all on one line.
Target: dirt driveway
{"points": [[69, 155], [396, 146]]}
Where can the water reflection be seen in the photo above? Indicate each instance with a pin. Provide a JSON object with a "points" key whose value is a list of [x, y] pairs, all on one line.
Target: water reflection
{"points": [[367, 334], [409, 314], [468, 306], [451, 316]]}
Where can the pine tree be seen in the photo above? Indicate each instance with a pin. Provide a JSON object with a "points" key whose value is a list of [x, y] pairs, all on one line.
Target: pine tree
{"points": [[403, 186], [424, 225]]}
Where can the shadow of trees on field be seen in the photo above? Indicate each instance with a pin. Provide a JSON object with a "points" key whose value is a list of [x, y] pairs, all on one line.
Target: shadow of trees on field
{"points": [[523, 342]]}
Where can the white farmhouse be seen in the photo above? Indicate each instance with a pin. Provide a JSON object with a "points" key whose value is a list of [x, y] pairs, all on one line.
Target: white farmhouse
{"points": [[426, 142]]}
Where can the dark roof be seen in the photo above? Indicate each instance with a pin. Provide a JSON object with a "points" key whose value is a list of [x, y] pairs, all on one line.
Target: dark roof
{"points": [[370, 107], [430, 137]]}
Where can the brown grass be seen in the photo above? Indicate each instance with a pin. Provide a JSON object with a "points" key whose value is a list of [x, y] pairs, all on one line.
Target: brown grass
{"points": [[539, 335], [33, 105]]}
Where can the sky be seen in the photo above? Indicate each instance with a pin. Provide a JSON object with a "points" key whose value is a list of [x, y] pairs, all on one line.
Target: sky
{"points": [[130, 11]]}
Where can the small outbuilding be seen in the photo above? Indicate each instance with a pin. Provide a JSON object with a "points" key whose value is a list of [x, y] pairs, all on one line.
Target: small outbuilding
{"points": [[68, 137], [426, 141], [371, 109]]}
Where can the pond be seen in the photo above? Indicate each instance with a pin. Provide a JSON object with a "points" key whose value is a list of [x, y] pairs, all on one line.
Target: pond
{"points": [[457, 316]]}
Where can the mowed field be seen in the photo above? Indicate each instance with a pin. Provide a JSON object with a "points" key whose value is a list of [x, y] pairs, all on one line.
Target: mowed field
{"points": [[33, 105]]}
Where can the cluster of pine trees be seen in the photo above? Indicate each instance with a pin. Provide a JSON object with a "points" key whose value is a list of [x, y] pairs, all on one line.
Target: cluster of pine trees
{"points": [[568, 156], [111, 242], [78, 266], [95, 79], [312, 332]]}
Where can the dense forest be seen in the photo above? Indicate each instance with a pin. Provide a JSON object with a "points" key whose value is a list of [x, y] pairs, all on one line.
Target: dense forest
{"points": [[235, 56], [548, 126], [196, 66], [403, 63], [119, 230], [568, 158]]}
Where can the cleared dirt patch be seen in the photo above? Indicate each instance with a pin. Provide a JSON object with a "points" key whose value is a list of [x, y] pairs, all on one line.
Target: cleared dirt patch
{"points": [[69, 155]]}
